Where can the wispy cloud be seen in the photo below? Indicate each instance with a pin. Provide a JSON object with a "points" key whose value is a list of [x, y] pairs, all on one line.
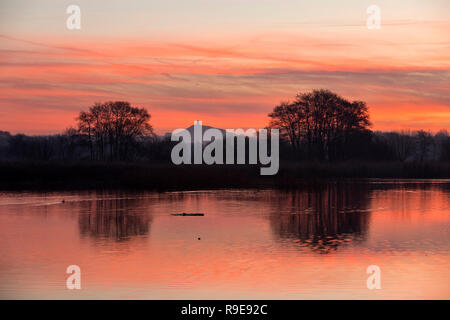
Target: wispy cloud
{"points": [[234, 77]]}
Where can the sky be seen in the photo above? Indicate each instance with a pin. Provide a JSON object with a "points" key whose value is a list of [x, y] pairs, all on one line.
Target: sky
{"points": [[225, 62]]}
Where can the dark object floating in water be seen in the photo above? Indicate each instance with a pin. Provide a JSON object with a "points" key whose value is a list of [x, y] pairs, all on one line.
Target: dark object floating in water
{"points": [[188, 214]]}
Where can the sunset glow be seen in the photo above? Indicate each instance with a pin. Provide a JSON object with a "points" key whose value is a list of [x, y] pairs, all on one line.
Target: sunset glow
{"points": [[227, 63]]}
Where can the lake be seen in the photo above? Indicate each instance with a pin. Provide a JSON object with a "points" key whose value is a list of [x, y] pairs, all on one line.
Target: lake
{"points": [[251, 244]]}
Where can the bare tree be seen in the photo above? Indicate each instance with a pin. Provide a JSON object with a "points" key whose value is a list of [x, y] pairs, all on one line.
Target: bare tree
{"points": [[322, 121], [424, 144], [288, 118], [401, 143], [113, 127]]}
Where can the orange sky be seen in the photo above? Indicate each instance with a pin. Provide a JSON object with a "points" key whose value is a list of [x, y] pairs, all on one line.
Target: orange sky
{"points": [[228, 73]]}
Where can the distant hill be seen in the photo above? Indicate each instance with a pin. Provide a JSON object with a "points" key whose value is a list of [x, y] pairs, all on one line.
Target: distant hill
{"points": [[191, 130], [204, 128]]}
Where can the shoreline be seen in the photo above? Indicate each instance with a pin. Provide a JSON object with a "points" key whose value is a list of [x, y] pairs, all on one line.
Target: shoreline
{"points": [[24, 175]]}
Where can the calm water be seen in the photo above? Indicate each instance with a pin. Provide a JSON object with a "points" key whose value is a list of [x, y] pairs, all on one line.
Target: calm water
{"points": [[253, 244]]}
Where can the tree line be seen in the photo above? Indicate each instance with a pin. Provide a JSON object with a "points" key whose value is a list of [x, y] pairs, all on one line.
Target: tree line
{"points": [[322, 126], [316, 126]]}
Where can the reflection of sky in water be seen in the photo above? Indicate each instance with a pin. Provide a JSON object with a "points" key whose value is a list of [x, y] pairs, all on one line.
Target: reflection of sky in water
{"points": [[254, 244]]}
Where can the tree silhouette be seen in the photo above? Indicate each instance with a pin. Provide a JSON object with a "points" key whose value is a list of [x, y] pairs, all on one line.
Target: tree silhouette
{"points": [[112, 127], [322, 122], [424, 142]]}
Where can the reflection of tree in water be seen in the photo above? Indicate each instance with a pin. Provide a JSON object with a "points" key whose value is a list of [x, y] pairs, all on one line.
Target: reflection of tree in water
{"points": [[323, 219], [114, 219]]}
